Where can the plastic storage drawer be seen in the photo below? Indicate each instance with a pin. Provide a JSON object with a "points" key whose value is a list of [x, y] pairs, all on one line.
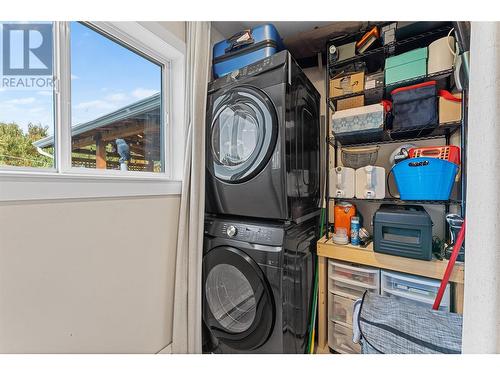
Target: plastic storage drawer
{"points": [[340, 309], [357, 275], [420, 290], [349, 290], [340, 339]]}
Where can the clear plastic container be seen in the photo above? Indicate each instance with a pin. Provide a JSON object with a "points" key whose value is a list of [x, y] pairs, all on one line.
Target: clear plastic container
{"points": [[356, 275], [340, 339], [340, 309], [419, 290], [348, 290]]}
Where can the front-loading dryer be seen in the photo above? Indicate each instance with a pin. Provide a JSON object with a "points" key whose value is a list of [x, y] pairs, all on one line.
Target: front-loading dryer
{"points": [[257, 285], [262, 142]]}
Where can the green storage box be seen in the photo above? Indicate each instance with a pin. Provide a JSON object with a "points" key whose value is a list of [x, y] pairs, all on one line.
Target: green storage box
{"points": [[408, 65]]}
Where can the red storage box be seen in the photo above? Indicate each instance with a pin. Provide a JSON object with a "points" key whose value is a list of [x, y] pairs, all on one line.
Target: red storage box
{"points": [[449, 153]]}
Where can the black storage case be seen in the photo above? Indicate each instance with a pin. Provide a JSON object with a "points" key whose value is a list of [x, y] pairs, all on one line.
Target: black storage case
{"points": [[415, 110], [403, 231]]}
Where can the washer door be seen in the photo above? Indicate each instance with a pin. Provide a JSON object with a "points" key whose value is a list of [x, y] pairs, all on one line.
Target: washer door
{"points": [[237, 306], [242, 134]]}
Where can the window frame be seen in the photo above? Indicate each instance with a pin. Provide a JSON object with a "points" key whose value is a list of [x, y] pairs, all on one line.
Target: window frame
{"points": [[155, 43]]}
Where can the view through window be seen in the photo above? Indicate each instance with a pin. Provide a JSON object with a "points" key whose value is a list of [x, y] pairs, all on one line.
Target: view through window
{"points": [[115, 104], [26, 94], [116, 120]]}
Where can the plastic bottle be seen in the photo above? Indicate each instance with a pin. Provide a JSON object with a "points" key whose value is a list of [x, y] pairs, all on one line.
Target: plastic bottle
{"points": [[355, 230]]}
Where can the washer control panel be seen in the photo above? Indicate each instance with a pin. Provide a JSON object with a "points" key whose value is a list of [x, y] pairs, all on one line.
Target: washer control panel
{"points": [[257, 67], [252, 233], [231, 231]]}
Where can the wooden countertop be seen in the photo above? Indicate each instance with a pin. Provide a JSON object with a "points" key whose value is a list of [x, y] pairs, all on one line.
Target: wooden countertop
{"points": [[434, 268]]}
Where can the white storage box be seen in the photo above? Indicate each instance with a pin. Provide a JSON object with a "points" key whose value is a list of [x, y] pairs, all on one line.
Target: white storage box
{"points": [[340, 309], [351, 281], [340, 339], [360, 124], [420, 290]]}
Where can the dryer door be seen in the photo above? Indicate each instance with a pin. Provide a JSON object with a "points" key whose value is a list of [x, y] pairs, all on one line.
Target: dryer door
{"points": [[238, 306], [242, 134]]}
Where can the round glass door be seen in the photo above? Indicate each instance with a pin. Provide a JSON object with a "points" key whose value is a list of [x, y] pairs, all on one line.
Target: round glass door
{"points": [[238, 306], [230, 298], [243, 134]]}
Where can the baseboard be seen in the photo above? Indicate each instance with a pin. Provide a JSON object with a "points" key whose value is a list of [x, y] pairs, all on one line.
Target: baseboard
{"points": [[166, 350]]}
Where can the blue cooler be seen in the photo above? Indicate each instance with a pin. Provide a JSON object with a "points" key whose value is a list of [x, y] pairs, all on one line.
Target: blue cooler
{"points": [[245, 48], [425, 178]]}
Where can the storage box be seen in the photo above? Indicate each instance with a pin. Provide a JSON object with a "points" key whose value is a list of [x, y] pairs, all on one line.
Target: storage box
{"points": [[351, 281], [346, 51], [405, 66], [359, 124], [374, 80], [415, 109], [350, 290], [347, 84], [374, 87], [420, 290], [340, 339], [348, 103], [340, 309], [450, 111], [388, 33], [403, 231], [357, 275]]}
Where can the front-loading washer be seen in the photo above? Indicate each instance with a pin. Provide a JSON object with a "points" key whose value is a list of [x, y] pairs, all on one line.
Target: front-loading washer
{"points": [[257, 285]]}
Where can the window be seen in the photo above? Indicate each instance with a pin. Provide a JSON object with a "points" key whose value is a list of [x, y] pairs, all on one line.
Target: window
{"points": [[26, 94], [91, 101], [115, 104]]}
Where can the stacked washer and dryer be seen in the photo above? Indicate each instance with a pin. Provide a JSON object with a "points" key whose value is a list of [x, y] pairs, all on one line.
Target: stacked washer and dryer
{"points": [[262, 208]]}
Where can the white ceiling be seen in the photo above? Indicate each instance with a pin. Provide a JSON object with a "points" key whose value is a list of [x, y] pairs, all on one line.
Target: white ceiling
{"points": [[285, 28]]}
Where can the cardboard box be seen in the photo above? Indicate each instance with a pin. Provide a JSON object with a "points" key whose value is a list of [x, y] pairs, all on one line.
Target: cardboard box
{"points": [[450, 111], [352, 102], [347, 84]]}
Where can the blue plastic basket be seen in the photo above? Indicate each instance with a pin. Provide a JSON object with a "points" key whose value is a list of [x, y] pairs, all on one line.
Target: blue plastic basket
{"points": [[425, 178]]}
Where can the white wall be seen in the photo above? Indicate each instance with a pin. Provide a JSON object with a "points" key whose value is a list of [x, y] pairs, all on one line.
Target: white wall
{"points": [[481, 333], [88, 276]]}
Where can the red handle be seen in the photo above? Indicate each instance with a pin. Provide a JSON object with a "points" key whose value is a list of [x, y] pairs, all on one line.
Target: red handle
{"points": [[387, 105], [449, 96], [449, 268]]}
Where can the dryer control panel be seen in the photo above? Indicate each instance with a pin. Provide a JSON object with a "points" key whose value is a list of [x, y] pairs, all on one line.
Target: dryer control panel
{"points": [[252, 233]]}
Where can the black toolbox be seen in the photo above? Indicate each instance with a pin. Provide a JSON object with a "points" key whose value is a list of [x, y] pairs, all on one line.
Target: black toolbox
{"points": [[404, 231]]}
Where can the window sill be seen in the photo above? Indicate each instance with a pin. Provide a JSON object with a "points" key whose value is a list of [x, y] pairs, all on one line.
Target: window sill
{"points": [[45, 186]]}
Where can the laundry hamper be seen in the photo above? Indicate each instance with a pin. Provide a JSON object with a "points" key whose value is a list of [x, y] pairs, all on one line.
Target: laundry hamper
{"points": [[386, 325]]}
